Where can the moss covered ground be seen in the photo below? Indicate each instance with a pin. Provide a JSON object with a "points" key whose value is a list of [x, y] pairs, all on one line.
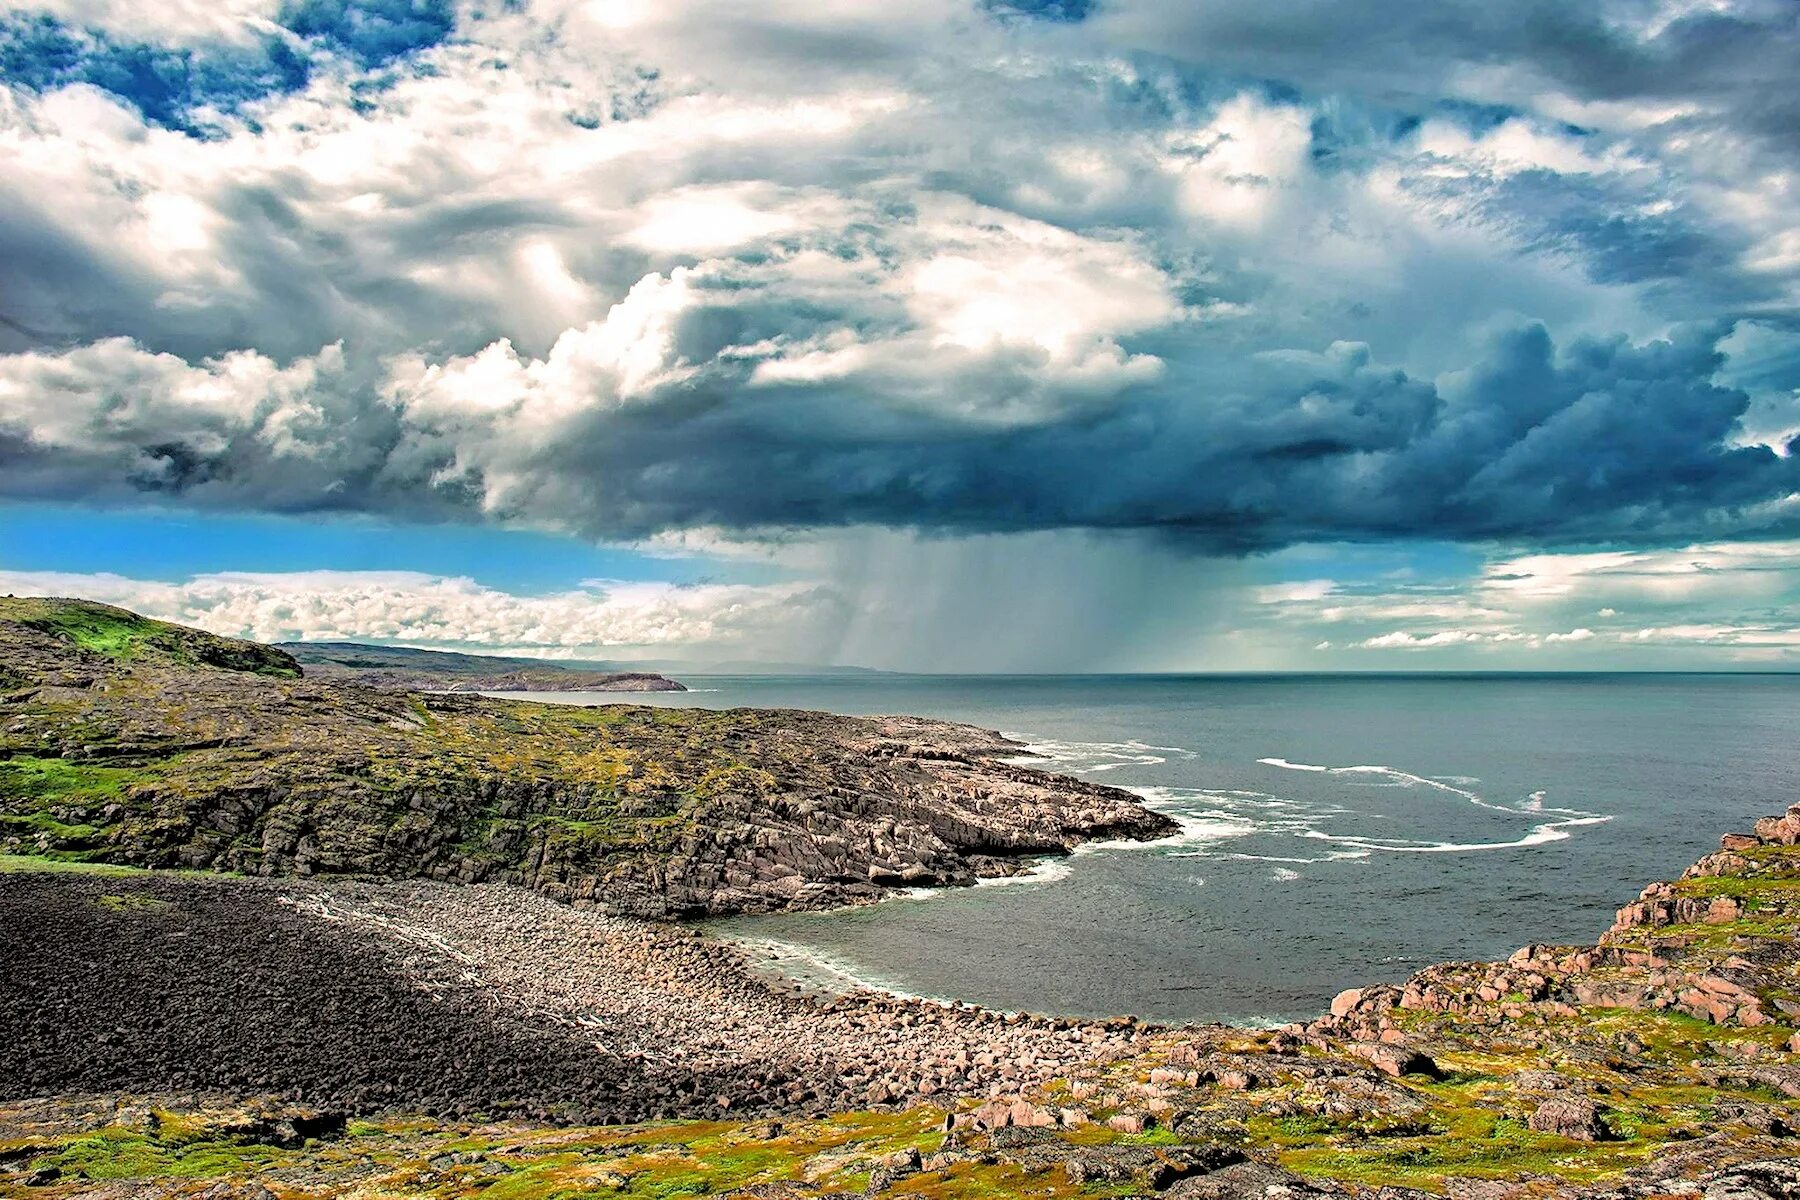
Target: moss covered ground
{"points": [[134, 741], [125, 636]]}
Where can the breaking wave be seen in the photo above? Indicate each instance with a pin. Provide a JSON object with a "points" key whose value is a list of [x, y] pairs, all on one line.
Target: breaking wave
{"points": [[1044, 870], [1542, 832], [1094, 757], [1233, 823]]}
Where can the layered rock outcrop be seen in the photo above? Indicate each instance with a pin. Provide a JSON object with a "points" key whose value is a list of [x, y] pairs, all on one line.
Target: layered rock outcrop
{"points": [[131, 741]]}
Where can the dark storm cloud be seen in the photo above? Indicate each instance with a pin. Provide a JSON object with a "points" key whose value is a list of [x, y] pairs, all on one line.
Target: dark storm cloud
{"points": [[1598, 439], [1601, 50], [1735, 63], [1598, 222]]}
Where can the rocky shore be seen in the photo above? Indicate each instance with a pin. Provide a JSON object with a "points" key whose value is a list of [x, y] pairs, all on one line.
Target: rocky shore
{"points": [[428, 1039], [453, 1000], [132, 741]]}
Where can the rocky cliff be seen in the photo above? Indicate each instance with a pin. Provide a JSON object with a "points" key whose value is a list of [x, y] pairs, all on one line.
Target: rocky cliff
{"points": [[133, 741]]}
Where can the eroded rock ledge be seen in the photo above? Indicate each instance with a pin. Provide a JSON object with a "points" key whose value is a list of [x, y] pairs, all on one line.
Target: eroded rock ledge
{"points": [[1716, 945], [132, 741]]}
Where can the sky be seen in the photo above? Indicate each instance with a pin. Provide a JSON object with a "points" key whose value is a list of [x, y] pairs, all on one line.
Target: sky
{"points": [[957, 335]]}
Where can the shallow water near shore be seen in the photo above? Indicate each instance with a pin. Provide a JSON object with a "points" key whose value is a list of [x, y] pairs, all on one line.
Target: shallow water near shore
{"points": [[1337, 830]]}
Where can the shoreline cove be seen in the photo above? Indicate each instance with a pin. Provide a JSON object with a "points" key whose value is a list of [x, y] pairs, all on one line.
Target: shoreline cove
{"points": [[1210, 819]]}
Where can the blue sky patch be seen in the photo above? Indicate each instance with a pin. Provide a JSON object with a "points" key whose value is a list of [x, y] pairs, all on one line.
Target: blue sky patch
{"points": [[371, 33], [171, 546], [186, 88], [1069, 11]]}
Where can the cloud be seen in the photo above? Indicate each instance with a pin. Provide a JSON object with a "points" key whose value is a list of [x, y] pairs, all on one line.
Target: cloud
{"points": [[409, 608], [169, 22], [669, 413], [1694, 606], [1235, 277], [1700, 66], [110, 420], [193, 68]]}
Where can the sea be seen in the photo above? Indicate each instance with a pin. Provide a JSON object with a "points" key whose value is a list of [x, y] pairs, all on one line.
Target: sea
{"points": [[1335, 830]]}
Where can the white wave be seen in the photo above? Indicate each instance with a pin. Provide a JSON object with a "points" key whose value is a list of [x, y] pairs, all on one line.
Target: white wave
{"points": [[1533, 805], [1049, 869], [1328, 856], [1394, 774], [1285, 765], [1045, 870], [1094, 757], [1198, 826], [1538, 835], [1266, 813]]}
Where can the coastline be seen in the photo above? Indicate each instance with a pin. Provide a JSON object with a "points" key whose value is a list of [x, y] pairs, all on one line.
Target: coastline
{"points": [[646, 811], [439, 930], [1578, 1064]]}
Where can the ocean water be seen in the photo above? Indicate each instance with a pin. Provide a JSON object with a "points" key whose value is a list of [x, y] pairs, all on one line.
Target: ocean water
{"points": [[1336, 830]]}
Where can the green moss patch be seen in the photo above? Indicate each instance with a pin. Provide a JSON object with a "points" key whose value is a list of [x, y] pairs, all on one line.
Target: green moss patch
{"points": [[124, 636], [18, 863], [28, 777], [121, 1154]]}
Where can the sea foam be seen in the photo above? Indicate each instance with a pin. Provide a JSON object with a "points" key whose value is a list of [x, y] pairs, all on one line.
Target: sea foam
{"points": [[1533, 805]]}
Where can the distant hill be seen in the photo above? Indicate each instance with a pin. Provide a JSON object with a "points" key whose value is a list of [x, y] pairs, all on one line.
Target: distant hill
{"points": [[400, 668], [736, 666]]}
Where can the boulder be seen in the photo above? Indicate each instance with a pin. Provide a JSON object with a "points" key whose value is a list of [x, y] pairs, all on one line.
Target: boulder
{"points": [[894, 1167], [1027, 1115], [1130, 1122], [1246, 1179], [1574, 1117], [1394, 1060], [1002, 1113]]}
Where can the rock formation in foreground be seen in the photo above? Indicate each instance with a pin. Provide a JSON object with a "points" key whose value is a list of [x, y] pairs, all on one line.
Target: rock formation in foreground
{"points": [[132, 741], [1661, 1062]]}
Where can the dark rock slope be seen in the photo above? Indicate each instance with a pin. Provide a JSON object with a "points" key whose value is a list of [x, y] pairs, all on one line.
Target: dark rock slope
{"points": [[133, 741], [175, 983], [420, 997]]}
